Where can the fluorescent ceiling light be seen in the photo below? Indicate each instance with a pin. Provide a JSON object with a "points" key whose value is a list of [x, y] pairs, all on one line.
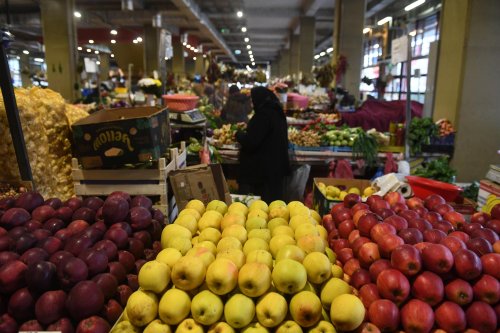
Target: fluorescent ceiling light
{"points": [[77, 14], [384, 20], [239, 13], [366, 30], [113, 41], [139, 39], [321, 54], [91, 41], [316, 56], [249, 47], [414, 5], [38, 59], [79, 48], [113, 32], [237, 51], [247, 39], [26, 52], [329, 50], [243, 29]]}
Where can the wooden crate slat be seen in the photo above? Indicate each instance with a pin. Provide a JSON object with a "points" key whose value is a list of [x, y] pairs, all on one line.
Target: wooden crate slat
{"points": [[143, 174], [133, 189]]}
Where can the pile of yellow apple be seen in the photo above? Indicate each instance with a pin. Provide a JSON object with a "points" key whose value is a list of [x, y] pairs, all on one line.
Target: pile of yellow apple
{"points": [[335, 193], [249, 269]]}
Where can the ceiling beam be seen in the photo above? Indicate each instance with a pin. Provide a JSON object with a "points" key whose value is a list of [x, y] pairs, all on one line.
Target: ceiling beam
{"points": [[376, 6], [259, 12]]}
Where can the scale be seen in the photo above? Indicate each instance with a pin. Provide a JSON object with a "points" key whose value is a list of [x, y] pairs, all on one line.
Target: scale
{"points": [[188, 117]]}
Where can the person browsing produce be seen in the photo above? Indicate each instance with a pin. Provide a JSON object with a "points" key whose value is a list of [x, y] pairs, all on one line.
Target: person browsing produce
{"points": [[264, 161], [237, 107]]}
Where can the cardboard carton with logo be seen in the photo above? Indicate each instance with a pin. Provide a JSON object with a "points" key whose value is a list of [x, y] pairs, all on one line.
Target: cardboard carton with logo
{"points": [[115, 137]]}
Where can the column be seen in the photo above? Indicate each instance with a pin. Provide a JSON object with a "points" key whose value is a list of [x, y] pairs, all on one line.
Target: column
{"points": [[285, 63], [275, 70], [294, 55], [178, 62], [467, 83], [199, 65], [190, 66], [307, 41], [351, 41], [24, 65], [151, 52], [104, 67], [59, 37]]}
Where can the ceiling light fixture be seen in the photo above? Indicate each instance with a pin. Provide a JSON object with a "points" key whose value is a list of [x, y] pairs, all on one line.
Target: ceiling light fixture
{"points": [[414, 5], [113, 41], [77, 14], [139, 39], [135, 41], [384, 20], [329, 50], [316, 56], [113, 32], [253, 63], [237, 51], [249, 47], [96, 52], [366, 30], [204, 56], [38, 59], [243, 29], [239, 13], [321, 54], [247, 39], [98, 62], [26, 52], [194, 58], [188, 46], [413, 33], [89, 50], [91, 41], [79, 48], [250, 52], [112, 55], [184, 43]]}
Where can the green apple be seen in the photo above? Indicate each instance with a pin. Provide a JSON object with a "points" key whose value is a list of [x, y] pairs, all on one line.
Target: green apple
{"points": [[221, 276], [291, 252], [227, 243], [297, 220], [255, 222], [169, 256], [235, 255], [189, 326], [261, 256], [318, 267], [172, 315], [271, 309], [192, 212], [195, 204], [254, 328], [239, 311], [333, 288], [322, 231], [282, 212], [275, 222], [289, 276], [254, 279], [237, 231], [289, 326], [154, 276], [323, 326], [210, 234], [264, 234], [220, 327], [206, 307], [188, 273], [125, 326], [255, 244], [305, 308], [282, 230], [278, 241], [157, 326]]}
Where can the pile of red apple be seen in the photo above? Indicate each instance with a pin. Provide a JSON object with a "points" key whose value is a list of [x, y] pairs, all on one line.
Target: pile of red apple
{"points": [[72, 266], [417, 264]]}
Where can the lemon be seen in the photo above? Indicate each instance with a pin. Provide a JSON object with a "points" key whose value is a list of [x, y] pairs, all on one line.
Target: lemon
{"points": [[368, 191], [347, 312], [332, 191], [354, 190]]}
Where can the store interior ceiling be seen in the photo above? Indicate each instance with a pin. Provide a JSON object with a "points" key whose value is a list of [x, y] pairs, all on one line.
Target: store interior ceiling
{"points": [[269, 23]]}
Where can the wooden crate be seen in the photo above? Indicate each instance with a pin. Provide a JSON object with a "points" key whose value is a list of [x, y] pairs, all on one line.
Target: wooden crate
{"points": [[149, 182], [181, 157]]}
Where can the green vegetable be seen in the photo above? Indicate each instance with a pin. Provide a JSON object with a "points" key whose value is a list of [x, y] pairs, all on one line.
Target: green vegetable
{"points": [[471, 191], [438, 169], [365, 147], [421, 132]]}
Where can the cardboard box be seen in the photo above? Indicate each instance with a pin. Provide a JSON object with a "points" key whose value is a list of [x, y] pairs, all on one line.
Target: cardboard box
{"points": [[112, 138], [488, 191], [202, 182], [323, 205]]}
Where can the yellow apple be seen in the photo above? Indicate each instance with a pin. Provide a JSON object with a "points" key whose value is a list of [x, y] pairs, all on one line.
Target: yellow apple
{"points": [[239, 311], [220, 327], [298, 220], [142, 308], [221, 276], [238, 207], [157, 326], [337, 271], [189, 222], [254, 327], [232, 218], [206, 307], [289, 326], [311, 243], [283, 230], [318, 267], [203, 253], [322, 231], [323, 326], [279, 212], [294, 204], [182, 244], [331, 255], [278, 241], [196, 204], [289, 276], [309, 287], [290, 252], [305, 308], [210, 234], [333, 288], [174, 231], [195, 240], [315, 215], [255, 222], [277, 203], [347, 312], [254, 279], [237, 231], [188, 273], [172, 315], [210, 219], [169, 256], [125, 326], [217, 205], [271, 309], [190, 211], [189, 326], [154, 276], [261, 256], [264, 234], [259, 204], [235, 255], [208, 245], [305, 229], [227, 243], [257, 213], [255, 244], [277, 221]]}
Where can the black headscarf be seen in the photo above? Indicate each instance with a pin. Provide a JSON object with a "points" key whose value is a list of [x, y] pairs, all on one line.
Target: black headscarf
{"points": [[263, 98]]}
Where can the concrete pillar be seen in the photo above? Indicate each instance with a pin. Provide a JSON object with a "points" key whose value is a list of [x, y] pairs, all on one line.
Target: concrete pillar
{"points": [[104, 67], [199, 65], [467, 83], [190, 66], [178, 61], [307, 40], [275, 69], [24, 65], [151, 52], [294, 55], [285, 63], [350, 41], [59, 37]]}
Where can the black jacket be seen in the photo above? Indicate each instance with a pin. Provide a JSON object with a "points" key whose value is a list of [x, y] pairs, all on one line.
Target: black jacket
{"points": [[264, 145], [236, 109]]}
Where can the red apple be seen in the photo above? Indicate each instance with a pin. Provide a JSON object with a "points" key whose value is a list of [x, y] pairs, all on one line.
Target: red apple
{"points": [[432, 217], [71, 271], [394, 197], [368, 293], [420, 224], [480, 246], [409, 214], [421, 246], [94, 324], [50, 306], [442, 209], [107, 283], [388, 244], [344, 255], [30, 326], [417, 316], [384, 314], [437, 258], [459, 291], [359, 214], [359, 206], [127, 259], [51, 245], [112, 311], [406, 259], [487, 289], [491, 264], [358, 243], [41, 277], [339, 244], [421, 211], [359, 278], [453, 243], [353, 236], [345, 227], [381, 229], [368, 253], [12, 276], [351, 266], [481, 316], [118, 271], [336, 207], [328, 223], [467, 264], [22, 305], [493, 225], [470, 227], [488, 234], [495, 212], [77, 226], [366, 223], [8, 324], [367, 328], [415, 202], [124, 293], [77, 245], [397, 222], [379, 204], [411, 236], [351, 199], [85, 299], [460, 235], [341, 215], [384, 213], [450, 317], [372, 199], [109, 247], [133, 281], [428, 287], [480, 217], [433, 200], [444, 226], [433, 236], [393, 285], [377, 267], [399, 207]]}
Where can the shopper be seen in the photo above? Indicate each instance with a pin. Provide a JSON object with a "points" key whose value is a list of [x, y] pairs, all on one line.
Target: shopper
{"points": [[237, 107], [264, 161]]}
